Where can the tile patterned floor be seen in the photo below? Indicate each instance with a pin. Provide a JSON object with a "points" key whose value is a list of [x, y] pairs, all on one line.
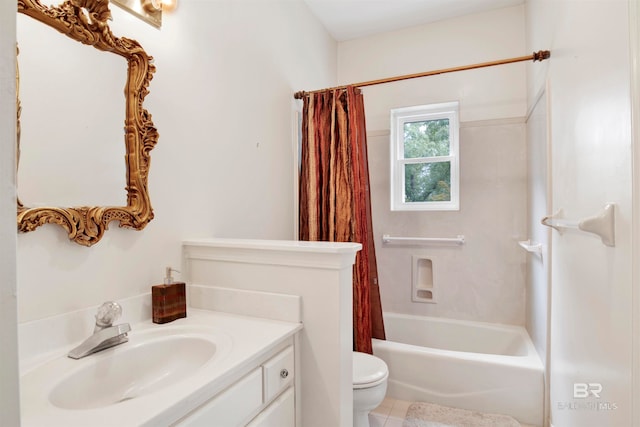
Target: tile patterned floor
{"points": [[390, 413]]}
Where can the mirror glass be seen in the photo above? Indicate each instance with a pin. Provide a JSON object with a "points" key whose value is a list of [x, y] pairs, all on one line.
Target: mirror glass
{"points": [[76, 129], [72, 120]]}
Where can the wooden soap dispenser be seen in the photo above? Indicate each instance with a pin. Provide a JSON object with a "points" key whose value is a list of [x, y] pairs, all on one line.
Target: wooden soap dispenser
{"points": [[169, 300]]}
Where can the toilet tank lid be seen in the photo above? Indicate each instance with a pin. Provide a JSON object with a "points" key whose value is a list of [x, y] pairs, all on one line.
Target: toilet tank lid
{"points": [[368, 370]]}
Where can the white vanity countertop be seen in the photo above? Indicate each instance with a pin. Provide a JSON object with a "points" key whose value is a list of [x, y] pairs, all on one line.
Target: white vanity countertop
{"points": [[250, 340]]}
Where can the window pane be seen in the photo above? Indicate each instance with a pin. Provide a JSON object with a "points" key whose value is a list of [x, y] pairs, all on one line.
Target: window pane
{"points": [[427, 138], [427, 182]]}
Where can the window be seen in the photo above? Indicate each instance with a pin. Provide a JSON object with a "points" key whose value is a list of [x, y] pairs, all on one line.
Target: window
{"points": [[424, 157]]}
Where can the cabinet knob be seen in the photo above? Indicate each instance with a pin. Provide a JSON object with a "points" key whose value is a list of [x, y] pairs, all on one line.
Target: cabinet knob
{"points": [[284, 373]]}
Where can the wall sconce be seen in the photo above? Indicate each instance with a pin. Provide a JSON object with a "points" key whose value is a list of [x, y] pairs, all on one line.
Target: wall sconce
{"points": [[169, 5], [149, 11], [151, 6]]}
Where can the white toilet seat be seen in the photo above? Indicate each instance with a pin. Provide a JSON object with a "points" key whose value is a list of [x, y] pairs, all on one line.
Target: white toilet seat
{"points": [[368, 371]]}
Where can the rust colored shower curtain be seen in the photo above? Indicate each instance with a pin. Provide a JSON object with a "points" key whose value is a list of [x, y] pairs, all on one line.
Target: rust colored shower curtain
{"points": [[335, 202]]}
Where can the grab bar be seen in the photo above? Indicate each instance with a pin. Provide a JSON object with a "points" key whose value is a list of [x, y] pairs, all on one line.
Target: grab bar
{"points": [[424, 240], [602, 224]]}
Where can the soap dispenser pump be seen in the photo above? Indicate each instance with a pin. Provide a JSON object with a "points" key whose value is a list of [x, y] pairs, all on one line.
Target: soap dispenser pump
{"points": [[169, 300], [168, 279]]}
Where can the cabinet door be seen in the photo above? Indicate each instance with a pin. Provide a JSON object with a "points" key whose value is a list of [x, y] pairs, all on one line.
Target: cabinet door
{"points": [[281, 412], [278, 373], [232, 407]]}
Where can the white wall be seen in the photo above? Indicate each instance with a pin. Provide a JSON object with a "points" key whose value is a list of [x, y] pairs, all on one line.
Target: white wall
{"points": [[489, 93], [591, 147], [9, 403], [484, 279], [222, 102]]}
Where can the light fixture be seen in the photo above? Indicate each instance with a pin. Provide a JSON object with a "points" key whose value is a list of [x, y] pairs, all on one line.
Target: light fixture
{"points": [[149, 11], [169, 5], [152, 6]]}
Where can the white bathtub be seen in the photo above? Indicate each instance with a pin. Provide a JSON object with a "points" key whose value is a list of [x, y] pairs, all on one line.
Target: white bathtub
{"points": [[471, 365]]}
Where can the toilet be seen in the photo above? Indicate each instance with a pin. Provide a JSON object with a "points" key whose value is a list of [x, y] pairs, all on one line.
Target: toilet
{"points": [[369, 386]]}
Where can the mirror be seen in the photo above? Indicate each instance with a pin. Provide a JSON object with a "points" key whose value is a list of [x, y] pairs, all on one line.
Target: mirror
{"points": [[85, 21], [79, 104]]}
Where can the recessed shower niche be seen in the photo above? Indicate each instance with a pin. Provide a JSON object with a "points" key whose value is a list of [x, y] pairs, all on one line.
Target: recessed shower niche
{"points": [[422, 279]]}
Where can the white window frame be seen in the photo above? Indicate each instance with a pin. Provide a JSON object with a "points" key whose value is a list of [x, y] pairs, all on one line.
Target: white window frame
{"points": [[400, 116]]}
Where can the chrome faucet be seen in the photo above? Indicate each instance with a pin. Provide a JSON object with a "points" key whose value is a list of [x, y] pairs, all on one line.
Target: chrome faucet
{"points": [[105, 335]]}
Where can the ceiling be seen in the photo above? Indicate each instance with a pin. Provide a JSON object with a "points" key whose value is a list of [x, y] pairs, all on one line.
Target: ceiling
{"points": [[349, 19]]}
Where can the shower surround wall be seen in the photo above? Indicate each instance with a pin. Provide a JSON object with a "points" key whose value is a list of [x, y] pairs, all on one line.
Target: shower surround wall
{"points": [[484, 279]]}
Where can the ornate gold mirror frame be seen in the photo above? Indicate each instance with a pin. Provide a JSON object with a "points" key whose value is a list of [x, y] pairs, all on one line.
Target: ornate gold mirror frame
{"points": [[86, 21]]}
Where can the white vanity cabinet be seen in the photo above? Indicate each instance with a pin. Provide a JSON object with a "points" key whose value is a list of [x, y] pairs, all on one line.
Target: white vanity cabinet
{"points": [[263, 396], [280, 413]]}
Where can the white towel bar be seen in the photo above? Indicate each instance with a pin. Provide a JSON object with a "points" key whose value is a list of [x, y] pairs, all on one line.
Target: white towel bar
{"points": [[424, 240], [602, 224]]}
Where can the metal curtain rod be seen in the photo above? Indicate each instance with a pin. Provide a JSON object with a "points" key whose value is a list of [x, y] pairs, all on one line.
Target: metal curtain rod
{"points": [[541, 55]]}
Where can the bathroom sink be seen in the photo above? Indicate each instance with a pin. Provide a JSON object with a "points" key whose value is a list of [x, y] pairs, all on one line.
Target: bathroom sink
{"points": [[161, 374], [134, 369]]}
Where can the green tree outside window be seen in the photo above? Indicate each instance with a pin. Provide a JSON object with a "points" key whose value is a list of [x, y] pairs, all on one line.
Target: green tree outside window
{"points": [[429, 180]]}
